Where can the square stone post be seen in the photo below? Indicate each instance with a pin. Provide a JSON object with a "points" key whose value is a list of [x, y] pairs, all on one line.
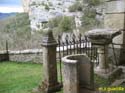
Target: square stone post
{"points": [[50, 83]]}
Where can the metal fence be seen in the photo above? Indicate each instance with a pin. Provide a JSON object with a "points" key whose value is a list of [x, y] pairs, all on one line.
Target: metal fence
{"points": [[72, 44]]}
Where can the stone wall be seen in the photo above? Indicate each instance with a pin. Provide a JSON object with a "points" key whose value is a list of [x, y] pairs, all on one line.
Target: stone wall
{"points": [[26, 57], [4, 56], [29, 55], [115, 19]]}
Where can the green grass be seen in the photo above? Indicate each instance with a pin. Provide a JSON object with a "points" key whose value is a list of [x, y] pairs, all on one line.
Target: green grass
{"points": [[19, 77], [16, 77]]}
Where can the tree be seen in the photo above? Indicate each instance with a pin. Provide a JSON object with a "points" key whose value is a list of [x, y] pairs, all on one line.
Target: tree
{"points": [[66, 24], [89, 19], [62, 23], [54, 22]]}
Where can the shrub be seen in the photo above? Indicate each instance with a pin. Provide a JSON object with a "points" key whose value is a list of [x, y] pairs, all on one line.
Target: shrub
{"points": [[47, 7], [76, 7], [66, 24]]}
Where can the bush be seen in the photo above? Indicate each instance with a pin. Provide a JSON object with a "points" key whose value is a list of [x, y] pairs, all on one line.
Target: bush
{"points": [[62, 24], [89, 20], [66, 24], [47, 7], [55, 21], [76, 7]]}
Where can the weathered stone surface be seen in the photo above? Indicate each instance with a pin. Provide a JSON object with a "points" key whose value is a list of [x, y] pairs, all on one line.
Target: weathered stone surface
{"points": [[50, 83], [103, 58], [102, 36], [115, 19], [77, 73], [26, 57], [115, 6]]}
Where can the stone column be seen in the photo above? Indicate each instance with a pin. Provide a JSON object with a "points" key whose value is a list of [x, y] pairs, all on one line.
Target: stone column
{"points": [[50, 83], [103, 58], [115, 19]]}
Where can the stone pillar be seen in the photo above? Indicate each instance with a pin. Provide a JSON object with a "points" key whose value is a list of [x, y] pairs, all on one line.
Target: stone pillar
{"points": [[50, 83], [103, 58], [115, 19]]}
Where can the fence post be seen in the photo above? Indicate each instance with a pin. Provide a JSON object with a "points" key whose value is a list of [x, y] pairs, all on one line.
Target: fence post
{"points": [[50, 82], [7, 52]]}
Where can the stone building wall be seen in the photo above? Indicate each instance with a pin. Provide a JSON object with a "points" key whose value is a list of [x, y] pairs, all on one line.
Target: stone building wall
{"points": [[115, 19]]}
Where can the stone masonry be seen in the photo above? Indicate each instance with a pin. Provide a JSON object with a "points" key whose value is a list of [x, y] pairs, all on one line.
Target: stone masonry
{"points": [[50, 83], [115, 19]]}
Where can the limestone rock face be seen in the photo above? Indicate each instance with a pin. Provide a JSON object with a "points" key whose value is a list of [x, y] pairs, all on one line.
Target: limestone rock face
{"points": [[26, 5], [40, 11]]}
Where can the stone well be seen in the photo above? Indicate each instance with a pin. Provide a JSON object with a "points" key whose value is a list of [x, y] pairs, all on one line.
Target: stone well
{"points": [[77, 74]]}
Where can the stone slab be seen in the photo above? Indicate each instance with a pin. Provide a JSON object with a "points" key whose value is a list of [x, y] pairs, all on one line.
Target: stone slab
{"points": [[102, 36]]}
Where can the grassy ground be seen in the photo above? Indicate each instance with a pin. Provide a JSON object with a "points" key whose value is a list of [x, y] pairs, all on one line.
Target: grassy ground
{"points": [[18, 77]]}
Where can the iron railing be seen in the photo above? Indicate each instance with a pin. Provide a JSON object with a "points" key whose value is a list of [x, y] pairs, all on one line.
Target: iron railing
{"points": [[72, 44]]}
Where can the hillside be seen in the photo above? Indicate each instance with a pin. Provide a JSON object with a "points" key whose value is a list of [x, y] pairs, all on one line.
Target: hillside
{"points": [[16, 30], [6, 15]]}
